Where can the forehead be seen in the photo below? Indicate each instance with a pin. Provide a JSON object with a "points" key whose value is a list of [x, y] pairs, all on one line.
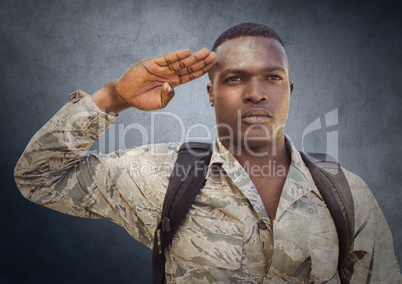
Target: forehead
{"points": [[251, 52]]}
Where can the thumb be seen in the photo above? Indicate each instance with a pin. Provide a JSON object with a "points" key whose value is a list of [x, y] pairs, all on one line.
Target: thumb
{"points": [[167, 93]]}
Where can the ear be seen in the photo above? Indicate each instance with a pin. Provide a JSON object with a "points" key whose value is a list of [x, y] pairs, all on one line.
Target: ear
{"points": [[210, 95], [291, 85]]}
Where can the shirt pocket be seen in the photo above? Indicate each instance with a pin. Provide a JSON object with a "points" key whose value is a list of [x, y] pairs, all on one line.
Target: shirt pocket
{"points": [[210, 242]]}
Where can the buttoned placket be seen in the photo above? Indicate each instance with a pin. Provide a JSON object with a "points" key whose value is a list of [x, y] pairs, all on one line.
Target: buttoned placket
{"points": [[265, 229]]}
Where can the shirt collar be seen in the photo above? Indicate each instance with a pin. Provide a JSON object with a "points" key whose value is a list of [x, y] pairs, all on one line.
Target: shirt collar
{"points": [[298, 173], [221, 155]]}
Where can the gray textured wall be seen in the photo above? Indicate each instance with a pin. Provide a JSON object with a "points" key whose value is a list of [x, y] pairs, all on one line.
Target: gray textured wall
{"points": [[345, 57]]}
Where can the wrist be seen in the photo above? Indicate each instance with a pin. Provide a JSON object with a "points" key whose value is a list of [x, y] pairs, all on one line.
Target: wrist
{"points": [[108, 100]]}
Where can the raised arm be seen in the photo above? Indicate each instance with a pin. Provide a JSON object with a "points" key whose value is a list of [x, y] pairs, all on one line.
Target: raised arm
{"points": [[55, 170], [149, 84]]}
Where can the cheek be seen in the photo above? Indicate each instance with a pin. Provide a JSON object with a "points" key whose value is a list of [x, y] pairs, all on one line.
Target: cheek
{"points": [[225, 115], [283, 107], [227, 97], [225, 107], [227, 102]]}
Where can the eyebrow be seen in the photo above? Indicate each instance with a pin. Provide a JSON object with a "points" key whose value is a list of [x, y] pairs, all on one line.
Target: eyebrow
{"points": [[243, 71]]}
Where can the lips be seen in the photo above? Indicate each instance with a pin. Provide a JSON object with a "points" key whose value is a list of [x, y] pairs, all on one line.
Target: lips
{"points": [[256, 115]]}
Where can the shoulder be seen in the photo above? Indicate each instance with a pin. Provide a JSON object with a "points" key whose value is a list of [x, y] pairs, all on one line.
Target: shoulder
{"points": [[143, 162], [152, 155], [367, 211], [358, 187], [158, 151], [362, 195]]}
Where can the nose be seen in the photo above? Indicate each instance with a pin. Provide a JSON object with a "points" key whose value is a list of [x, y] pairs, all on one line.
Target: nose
{"points": [[256, 91]]}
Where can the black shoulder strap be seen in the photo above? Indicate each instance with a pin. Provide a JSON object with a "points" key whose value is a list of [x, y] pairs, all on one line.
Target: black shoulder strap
{"points": [[334, 188], [188, 177]]}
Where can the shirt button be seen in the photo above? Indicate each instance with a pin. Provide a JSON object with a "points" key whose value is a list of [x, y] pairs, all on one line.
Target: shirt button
{"points": [[74, 97], [262, 225]]}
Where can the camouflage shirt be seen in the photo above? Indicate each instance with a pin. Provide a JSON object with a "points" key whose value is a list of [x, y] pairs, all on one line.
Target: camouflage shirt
{"points": [[227, 236]]}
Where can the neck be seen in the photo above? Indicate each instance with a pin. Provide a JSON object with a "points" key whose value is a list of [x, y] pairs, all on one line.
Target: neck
{"points": [[259, 156]]}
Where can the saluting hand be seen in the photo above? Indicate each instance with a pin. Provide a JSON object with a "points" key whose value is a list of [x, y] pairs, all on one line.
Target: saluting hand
{"points": [[148, 85]]}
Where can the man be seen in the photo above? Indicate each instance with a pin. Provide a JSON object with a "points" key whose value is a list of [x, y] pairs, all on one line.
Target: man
{"points": [[246, 225]]}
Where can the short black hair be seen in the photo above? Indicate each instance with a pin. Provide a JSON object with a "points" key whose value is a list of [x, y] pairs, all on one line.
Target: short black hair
{"points": [[246, 29], [243, 30]]}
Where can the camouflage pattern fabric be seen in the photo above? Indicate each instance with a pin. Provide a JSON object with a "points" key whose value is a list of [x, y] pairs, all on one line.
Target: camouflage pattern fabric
{"points": [[227, 236]]}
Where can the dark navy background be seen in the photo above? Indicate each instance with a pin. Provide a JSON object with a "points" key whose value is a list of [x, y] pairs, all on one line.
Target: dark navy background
{"points": [[345, 57]]}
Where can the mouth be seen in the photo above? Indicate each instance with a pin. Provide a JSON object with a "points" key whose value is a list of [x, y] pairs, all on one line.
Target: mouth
{"points": [[256, 115]]}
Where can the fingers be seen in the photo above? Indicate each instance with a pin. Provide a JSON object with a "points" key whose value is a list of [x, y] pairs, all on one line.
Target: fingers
{"points": [[175, 56], [196, 74], [198, 65], [185, 65], [183, 62], [194, 58]]}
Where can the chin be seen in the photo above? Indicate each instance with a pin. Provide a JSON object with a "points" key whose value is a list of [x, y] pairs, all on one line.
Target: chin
{"points": [[259, 140], [258, 144]]}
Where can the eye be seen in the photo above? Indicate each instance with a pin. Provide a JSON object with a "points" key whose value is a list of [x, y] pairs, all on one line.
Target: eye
{"points": [[233, 79], [274, 77]]}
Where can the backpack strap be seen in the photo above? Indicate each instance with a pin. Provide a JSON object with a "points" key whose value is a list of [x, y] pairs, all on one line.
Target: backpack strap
{"points": [[335, 190], [188, 177], [190, 169]]}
